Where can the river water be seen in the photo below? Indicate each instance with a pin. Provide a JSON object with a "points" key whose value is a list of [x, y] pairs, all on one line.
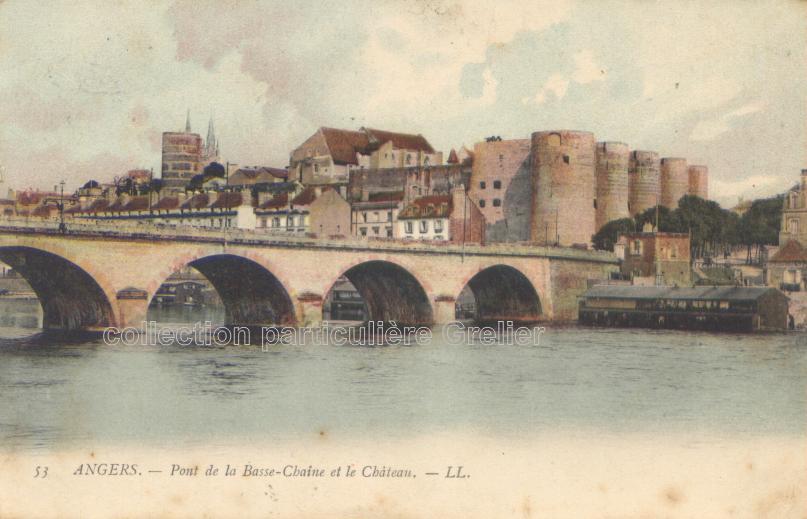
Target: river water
{"points": [[71, 391]]}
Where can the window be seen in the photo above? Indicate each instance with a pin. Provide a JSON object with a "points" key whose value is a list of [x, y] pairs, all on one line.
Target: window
{"points": [[375, 216], [376, 230], [389, 232], [389, 216], [497, 202], [595, 203], [364, 217], [363, 231], [408, 158], [290, 221], [424, 226], [426, 161], [481, 203], [497, 184], [793, 226], [566, 159], [637, 247], [438, 226], [316, 168], [482, 185], [275, 222], [408, 227]]}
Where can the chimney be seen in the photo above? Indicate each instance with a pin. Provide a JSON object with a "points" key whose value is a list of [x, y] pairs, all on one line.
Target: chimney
{"points": [[804, 180]]}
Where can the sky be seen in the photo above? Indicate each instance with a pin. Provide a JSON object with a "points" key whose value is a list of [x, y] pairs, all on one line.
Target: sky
{"points": [[87, 88]]}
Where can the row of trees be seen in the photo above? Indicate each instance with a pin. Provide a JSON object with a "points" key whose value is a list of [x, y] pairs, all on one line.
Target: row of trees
{"points": [[713, 230]]}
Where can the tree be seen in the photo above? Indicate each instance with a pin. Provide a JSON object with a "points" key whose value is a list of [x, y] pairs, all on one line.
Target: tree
{"points": [[607, 236], [124, 185], [667, 220], [214, 169]]}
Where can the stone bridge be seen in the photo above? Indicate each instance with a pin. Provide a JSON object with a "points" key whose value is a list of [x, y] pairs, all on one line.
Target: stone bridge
{"points": [[92, 277]]}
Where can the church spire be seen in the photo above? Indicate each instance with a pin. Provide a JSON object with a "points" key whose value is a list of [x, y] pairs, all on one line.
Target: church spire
{"points": [[211, 135], [188, 122]]}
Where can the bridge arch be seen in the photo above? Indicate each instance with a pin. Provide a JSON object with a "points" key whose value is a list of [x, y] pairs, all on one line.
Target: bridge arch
{"points": [[501, 293], [391, 293], [71, 298], [250, 293]]}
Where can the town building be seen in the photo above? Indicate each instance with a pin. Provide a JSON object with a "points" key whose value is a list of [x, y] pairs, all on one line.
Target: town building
{"points": [[330, 154], [344, 303], [794, 214], [377, 216], [787, 268], [257, 175], [214, 209], [453, 218], [185, 154], [377, 196], [655, 258]]}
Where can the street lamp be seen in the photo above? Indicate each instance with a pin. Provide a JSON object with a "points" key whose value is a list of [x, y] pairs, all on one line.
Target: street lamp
{"points": [[60, 188]]}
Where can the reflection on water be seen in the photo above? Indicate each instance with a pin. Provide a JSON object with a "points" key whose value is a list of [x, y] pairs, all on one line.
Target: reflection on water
{"points": [[73, 390], [185, 314], [20, 313]]}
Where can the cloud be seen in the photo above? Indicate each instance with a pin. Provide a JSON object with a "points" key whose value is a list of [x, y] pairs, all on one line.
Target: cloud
{"points": [[84, 84], [585, 71], [556, 85], [710, 129]]}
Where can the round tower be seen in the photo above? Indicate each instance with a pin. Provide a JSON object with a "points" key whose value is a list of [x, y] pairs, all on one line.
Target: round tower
{"points": [[563, 187], [699, 181], [674, 181], [612, 182], [644, 181]]}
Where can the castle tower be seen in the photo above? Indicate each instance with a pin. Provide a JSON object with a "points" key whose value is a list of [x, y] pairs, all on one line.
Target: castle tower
{"points": [[674, 181], [612, 182], [644, 181], [699, 181], [563, 187]]}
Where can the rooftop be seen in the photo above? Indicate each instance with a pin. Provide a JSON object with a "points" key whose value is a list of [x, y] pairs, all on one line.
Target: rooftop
{"points": [[432, 206], [723, 293], [791, 252]]}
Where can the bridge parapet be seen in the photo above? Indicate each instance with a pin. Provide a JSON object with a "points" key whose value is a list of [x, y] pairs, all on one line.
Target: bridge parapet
{"points": [[147, 231]]}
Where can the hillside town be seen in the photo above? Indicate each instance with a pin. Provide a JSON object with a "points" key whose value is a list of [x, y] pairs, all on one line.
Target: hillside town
{"points": [[553, 188]]}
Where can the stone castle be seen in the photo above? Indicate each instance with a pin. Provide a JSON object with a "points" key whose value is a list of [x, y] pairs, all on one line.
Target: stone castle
{"points": [[561, 186]]}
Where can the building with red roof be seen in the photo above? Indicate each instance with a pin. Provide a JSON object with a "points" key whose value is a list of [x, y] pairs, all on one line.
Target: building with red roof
{"points": [[330, 154]]}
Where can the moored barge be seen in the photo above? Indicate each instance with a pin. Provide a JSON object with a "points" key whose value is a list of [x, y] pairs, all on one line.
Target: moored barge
{"points": [[734, 309]]}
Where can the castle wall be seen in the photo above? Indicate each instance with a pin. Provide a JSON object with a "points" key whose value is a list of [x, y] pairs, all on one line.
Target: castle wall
{"points": [[612, 182], [644, 181], [674, 181], [563, 187], [501, 188], [699, 181]]}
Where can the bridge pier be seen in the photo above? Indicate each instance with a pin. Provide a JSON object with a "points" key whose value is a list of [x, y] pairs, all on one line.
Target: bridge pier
{"points": [[309, 309], [444, 309], [133, 306]]}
